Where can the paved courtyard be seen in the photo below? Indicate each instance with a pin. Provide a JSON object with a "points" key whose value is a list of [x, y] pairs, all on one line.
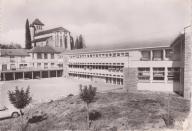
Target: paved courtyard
{"points": [[44, 90]]}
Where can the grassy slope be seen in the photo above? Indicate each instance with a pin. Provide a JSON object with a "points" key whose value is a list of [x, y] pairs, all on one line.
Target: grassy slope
{"points": [[143, 110]]}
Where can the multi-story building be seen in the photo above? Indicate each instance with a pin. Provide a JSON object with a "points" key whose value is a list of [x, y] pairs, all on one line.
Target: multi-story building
{"points": [[39, 62], [58, 37], [146, 66]]}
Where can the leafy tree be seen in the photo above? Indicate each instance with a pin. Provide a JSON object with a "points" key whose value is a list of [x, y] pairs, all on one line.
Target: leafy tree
{"points": [[81, 42], [27, 36], [77, 43], [20, 98], [87, 94], [72, 43]]}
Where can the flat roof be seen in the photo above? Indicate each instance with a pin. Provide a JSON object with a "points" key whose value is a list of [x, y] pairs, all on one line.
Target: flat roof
{"points": [[151, 44]]}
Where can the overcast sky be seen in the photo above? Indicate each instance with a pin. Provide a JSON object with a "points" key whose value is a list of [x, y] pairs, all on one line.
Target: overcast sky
{"points": [[99, 21]]}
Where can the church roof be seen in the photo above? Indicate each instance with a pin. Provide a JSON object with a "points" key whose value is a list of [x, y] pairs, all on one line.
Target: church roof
{"points": [[41, 39], [51, 30], [13, 52], [37, 22], [43, 49]]}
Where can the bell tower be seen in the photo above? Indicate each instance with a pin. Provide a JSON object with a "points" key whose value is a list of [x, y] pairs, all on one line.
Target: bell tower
{"points": [[37, 25]]}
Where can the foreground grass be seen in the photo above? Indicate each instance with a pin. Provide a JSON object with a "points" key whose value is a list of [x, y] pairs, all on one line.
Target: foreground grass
{"points": [[141, 110]]}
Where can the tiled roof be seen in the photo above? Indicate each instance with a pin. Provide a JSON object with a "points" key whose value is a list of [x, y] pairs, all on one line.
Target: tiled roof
{"points": [[14, 52], [37, 22], [41, 39], [163, 43], [51, 30], [43, 49]]}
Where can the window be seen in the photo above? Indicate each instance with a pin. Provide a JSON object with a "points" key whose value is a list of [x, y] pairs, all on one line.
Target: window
{"points": [[12, 67], [157, 55], [12, 59], [126, 54], [45, 65], [144, 73], [173, 74], [168, 53], [52, 56], [52, 64], [158, 73], [145, 55], [4, 67], [39, 56], [114, 54], [38, 65], [45, 55]]}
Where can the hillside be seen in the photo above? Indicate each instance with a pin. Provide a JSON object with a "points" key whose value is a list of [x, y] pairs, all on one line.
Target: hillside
{"points": [[141, 110]]}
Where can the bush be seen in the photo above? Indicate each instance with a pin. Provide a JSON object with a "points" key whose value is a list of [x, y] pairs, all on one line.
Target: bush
{"points": [[94, 115]]}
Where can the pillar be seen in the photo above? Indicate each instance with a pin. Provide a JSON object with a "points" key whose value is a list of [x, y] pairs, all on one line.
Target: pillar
{"points": [[188, 63], [40, 74], [56, 73], [48, 74], [32, 75], [23, 75], [13, 75], [4, 79]]}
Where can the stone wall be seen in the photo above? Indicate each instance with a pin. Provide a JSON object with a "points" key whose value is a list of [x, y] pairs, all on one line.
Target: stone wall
{"points": [[130, 79]]}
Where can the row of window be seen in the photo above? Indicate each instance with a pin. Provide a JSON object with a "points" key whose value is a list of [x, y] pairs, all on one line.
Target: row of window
{"points": [[118, 81], [156, 54], [159, 74], [43, 55], [39, 65], [96, 74], [103, 64], [92, 55]]}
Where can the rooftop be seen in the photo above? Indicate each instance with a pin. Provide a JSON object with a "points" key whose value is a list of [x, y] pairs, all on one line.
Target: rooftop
{"points": [[41, 39], [51, 31], [37, 22], [14, 52], [158, 43], [44, 49]]}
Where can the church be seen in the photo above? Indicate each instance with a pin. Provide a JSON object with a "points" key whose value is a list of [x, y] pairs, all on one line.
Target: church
{"points": [[57, 37]]}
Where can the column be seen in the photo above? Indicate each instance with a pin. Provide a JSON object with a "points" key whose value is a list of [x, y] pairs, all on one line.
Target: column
{"points": [[40, 74], [4, 79], [151, 74], [56, 73], [164, 53], [13, 75], [166, 74], [48, 74], [151, 55], [68, 41], [32, 75], [23, 75]]}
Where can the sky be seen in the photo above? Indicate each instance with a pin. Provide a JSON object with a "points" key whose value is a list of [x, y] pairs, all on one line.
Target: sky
{"points": [[101, 22]]}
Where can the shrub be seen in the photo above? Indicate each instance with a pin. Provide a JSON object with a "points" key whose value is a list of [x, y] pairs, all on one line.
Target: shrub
{"points": [[87, 95], [20, 98], [94, 115]]}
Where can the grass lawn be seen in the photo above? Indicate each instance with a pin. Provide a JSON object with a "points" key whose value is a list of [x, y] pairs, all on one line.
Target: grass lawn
{"points": [[120, 110]]}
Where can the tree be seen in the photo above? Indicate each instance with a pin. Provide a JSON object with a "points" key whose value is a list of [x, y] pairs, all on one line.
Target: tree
{"points": [[27, 36], [20, 98], [88, 96], [81, 42], [77, 43], [72, 43]]}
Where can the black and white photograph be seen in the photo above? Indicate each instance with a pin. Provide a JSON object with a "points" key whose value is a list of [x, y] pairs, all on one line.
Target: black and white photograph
{"points": [[95, 65]]}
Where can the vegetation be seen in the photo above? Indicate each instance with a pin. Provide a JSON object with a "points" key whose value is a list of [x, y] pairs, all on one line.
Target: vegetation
{"points": [[72, 43], [27, 36], [10, 46], [20, 98], [79, 42], [120, 110], [87, 95]]}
